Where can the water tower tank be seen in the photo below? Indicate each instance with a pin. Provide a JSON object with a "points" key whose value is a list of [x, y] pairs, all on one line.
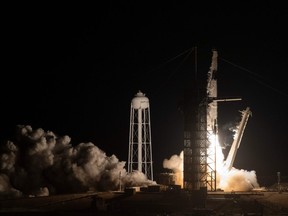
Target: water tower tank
{"points": [[140, 101]]}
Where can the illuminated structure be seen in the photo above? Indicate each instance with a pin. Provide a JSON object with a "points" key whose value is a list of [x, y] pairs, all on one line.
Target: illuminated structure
{"points": [[212, 125], [140, 147], [201, 132], [200, 123], [237, 139], [212, 100], [195, 137]]}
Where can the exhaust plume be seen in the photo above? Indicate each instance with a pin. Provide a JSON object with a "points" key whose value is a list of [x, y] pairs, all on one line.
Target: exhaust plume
{"points": [[175, 163], [39, 163], [228, 180]]}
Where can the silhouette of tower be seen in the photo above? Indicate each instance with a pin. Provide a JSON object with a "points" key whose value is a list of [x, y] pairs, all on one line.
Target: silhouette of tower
{"points": [[140, 148]]}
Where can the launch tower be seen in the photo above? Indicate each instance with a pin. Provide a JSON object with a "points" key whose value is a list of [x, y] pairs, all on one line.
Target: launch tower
{"points": [[201, 132], [200, 122]]}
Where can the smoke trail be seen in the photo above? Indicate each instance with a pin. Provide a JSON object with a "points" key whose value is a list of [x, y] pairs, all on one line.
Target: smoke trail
{"points": [[39, 163]]}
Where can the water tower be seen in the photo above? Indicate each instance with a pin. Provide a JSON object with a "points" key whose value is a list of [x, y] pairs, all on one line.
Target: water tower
{"points": [[140, 148]]}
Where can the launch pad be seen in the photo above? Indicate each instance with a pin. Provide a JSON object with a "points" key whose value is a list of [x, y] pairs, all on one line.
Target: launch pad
{"points": [[148, 203], [201, 134]]}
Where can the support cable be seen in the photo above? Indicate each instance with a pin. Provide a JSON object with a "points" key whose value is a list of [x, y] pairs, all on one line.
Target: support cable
{"points": [[256, 75]]}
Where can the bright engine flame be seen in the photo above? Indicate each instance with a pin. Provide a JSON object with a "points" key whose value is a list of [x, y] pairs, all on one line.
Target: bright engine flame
{"points": [[229, 180], [226, 180]]}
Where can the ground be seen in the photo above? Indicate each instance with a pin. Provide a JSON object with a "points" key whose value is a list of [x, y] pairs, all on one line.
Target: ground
{"points": [[149, 203]]}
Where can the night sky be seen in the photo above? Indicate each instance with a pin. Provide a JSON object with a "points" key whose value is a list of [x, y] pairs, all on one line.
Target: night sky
{"points": [[75, 71]]}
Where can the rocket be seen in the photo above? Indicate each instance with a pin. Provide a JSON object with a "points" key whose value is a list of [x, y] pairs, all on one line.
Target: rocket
{"points": [[212, 95]]}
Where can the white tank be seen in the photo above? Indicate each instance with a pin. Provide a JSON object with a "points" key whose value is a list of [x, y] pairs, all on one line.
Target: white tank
{"points": [[140, 101]]}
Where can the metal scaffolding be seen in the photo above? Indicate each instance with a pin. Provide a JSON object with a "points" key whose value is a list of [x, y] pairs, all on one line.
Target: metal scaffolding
{"points": [[195, 140]]}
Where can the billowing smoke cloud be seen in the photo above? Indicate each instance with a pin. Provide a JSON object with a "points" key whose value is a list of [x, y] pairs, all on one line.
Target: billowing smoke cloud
{"points": [[226, 134], [6, 190], [175, 163], [233, 180], [39, 163], [238, 180]]}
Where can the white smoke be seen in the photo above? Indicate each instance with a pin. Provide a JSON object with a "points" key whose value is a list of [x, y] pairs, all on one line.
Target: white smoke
{"points": [[238, 180], [175, 163], [39, 163], [233, 180], [6, 190]]}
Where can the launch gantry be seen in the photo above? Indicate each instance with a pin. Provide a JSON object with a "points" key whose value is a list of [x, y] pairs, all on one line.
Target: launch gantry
{"points": [[200, 127]]}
